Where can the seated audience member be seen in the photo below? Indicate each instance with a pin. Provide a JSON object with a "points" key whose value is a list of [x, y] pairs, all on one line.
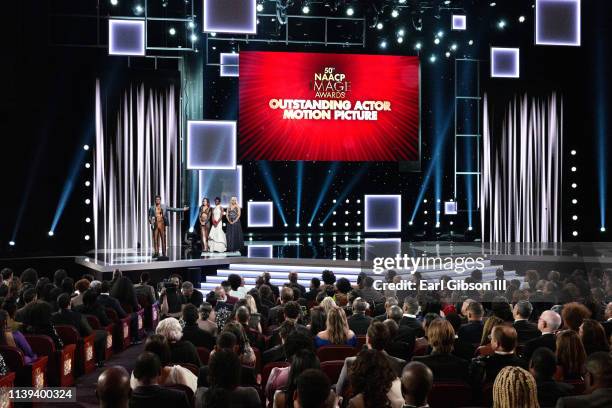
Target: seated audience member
{"points": [[313, 391], [276, 314], [39, 322], [444, 365], [113, 388], [170, 374], [255, 318], [389, 301], [224, 385], [170, 298], [144, 289], [28, 299], [315, 284], [206, 321], [317, 320], [89, 306], [525, 330], [327, 303], [180, 351], [598, 384], [7, 275], [147, 371], [593, 337], [29, 276], [236, 286], [81, 286], [461, 349], [228, 288], [191, 295], [484, 369], [243, 316], [65, 315], [548, 324], [514, 387], [377, 338], [123, 290], [293, 283], [358, 322], [15, 338], [109, 302], [373, 382], [487, 328], [573, 314], [343, 287], [245, 351], [401, 344], [58, 276], [417, 381], [297, 340], [409, 319], [301, 361], [608, 323], [542, 366], [227, 341], [337, 331], [570, 354], [368, 293], [277, 353], [191, 332], [471, 332]]}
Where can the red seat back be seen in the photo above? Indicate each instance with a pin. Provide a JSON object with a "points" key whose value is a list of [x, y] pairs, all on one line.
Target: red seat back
{"points": [[84, 347], [94, 322], [61, 362], [578, 386], [7, 381], [451, 394], [204, 355], [361, 341], [420, 348], [67, 333], [332, 369], [329, 353]]}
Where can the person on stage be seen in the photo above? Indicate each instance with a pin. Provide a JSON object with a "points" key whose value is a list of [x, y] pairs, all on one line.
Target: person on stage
{"points": [[158, 219], [205, 215], [235, 240], [216, 237]]}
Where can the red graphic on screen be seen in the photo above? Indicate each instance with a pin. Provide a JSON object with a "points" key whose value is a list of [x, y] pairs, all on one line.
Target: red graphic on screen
{"points": [[328, 107]]}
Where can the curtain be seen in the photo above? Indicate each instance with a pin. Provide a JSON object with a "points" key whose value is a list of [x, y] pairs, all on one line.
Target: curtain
{"points": [[137, 156], [521, 186]]}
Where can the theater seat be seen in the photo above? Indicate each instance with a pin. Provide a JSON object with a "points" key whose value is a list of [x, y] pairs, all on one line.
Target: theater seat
{"points": [[61, 367], [7, 381], [449, 394], [332, 369], [139, 316], [329, 353], [26, 375], [204, 355], [85, 360], [578, 386], [95, 324], [361, 341], [121, 330], [181, 387]]}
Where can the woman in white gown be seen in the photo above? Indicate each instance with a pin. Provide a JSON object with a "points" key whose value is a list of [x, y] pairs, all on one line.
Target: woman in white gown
{"points": [[216, 236]]}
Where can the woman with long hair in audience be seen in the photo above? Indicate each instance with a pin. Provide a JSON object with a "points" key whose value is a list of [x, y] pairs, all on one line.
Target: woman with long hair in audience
{"points": [[337, 330], [180, 351], [489, 324], [515, 387], [255, 316], [570, 354], [15, 338], [327, 304], [39, 322], [245, 351], [373, 382], [317, 320], [593, 337], [123, 291], [170, 374], [302, 360], [224, 380], [10, 306]]}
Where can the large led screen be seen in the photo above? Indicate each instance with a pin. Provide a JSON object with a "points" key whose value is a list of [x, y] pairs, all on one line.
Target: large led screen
{"points": [[329, 107]]}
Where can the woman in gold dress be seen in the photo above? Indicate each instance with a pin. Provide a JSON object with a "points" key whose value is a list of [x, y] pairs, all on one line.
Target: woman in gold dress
{"points": [[205, 216]]}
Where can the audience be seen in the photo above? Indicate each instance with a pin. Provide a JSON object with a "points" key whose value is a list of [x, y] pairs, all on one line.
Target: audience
{"points": [[301, 361], [525, 330], [570, 354], [206, 321], [191, 296], [548, 323], [180, 351], [358, 322], [373, 382], [573, 314], [417, 381], [337, 331], [542, 366], [81, 286], [598, 384], [313, 391], [192, 332], [484, 369], [593, 337], [144, 290], [15, 338], [472, 331], [514, 387], [113, 388]]}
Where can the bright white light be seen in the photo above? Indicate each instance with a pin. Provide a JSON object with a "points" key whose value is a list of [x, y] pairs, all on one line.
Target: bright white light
{"points": [[394, 13], [425, 223], [454, 47], [574, 217], [346, 213], [51, 233], [400, 40], [126, 37], [172, 31], [12, 243], [459, 22], [440, 33], [425, 201], [418, 45], [432, 58], [470, 228], [86, 237], [471, 42], [437, 41], [347, 201], [358, 201], [138, 9], [191, 25], [305, 9], [350, 11], [574, 201], [297, 225], [550, 29], [260, 7], [194, 38], [574, 185], [603, 229], [448, 54], [320, 224], [334, 213], [334, 201], [575, 233], [379, 26], [88, 220], [505, 62], [401, 32], [333, 224], [87, 183], [87, 165], [87, 201], [450, 223], [402, 1], [85, 147], [285, 224], [205, 133], [114, 2], [573, 152], [242, 21], [383, 213], [409, 222], [501, 23], [573, 168], [383, 44], [359, 224], [346, 224], [493, 4], [213, 34], [358, 212], [521, 19]]}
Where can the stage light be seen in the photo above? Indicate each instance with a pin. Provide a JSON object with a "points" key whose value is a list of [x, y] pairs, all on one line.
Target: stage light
{"points": [[194, 38], [138, 9], [557, 22], [334, 213], [12, 243], [521, 19], [171, 31], [409, 222], [418, 46], [400, 40], [201, 135], [309, 225], [88, 220], [87, 201], [85, 147], [470, 228], [574, 217], [347, 201], [334, 201], [450, 223], [425, 201], [448, 54], [87, 183], [575, 233], [440, 34], [220, 17], [505, 62], [471, 42], [87, 165], [394, 13], [425, 223], [501, 24], [285, 225], [260, 7], [358, 201], [438, 200], [379, 26], [350, 11], [447, 2], [459, 22], [383, 44], [305, 9], [432, 58], [454, 47], [493, 4], [114, 2], [358, 212], [574, 185], [401, 32], [359, 224], [259, 214], [213, 34], [603, 229], [574, 201], [573, 169], [383, 213], [86, 237], [191, 25], [346, 224], [402, 1], [320, 224], [573, 152], [333, 224], [346, 212], [297, 225], [50, 233], [437, 41], [425, 212]]}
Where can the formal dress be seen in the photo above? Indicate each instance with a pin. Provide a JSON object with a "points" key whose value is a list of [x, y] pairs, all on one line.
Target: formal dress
{"points": [[216, 237], [235, 240], [204, 219]]}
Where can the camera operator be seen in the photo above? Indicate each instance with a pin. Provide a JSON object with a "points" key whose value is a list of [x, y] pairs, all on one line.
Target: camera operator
{"points": [[170, 298]]}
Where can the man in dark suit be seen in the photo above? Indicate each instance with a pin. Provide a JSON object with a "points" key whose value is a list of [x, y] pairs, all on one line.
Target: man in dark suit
{"points": [[597, 382], [311, 295], [608, 323], [409, 319], [191, 295], [471, 332], [461, 349], [524, 328], [542, 366], [148, 393], [548, 324], [293, 283], [358, 322], [369, 294], [443, 364], [69, 317], [108, 302], [376, 338], [484, 369], [389, 301], [276, 314]]}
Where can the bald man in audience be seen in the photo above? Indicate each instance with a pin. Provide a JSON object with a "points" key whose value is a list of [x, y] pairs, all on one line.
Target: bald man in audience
{"points": [[113, 388], [548, 324], [417, 380]]}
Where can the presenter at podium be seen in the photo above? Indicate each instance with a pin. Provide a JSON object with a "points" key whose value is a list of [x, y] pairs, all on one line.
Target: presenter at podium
{"points": [[158, 219]]}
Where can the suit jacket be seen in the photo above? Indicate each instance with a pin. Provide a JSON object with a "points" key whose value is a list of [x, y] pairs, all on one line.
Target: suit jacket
{"points": [[445, 366], [484, 369], [397, 364], [471, 332], [545, 340], [463, 349], [601, 398], [96, 310], [371, 295], [184, 352], [74, 319], [198, 337], [146, 291], [526, 331], [276, 353], [110, 302], [165, 210], [359, 323], [148, 396], [275, 314], [195, 299], [413, 324], [550, 391]]}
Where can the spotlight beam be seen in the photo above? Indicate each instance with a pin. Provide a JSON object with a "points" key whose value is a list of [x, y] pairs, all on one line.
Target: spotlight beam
{"points": [[300, 179], [349, 187], [269, 180], [331, 173]]}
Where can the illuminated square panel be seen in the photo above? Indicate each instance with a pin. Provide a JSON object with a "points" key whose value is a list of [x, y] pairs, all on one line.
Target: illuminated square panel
{"points": [[382, 248], [224, 184], [259, 251], [211, 145], [259, 214], [557, 22], [229, 64], [126, 37], [383, 213], [505, 62], [450, 207], [459, 22], [229, 70], [230, 16]]}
